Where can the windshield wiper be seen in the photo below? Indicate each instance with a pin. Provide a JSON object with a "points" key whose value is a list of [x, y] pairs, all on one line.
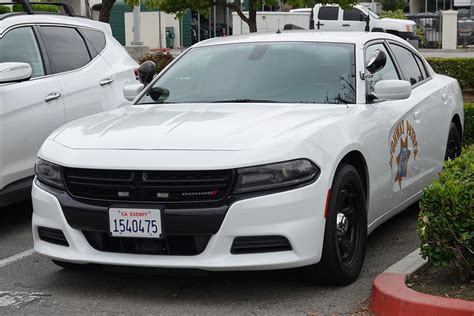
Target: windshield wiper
{"points": [[156, 102], [246, 101]]}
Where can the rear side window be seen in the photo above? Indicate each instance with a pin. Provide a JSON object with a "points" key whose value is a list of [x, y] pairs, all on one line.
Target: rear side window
{"points": [[328, 13], [19, 45], [353, 15], [96, 40], [406, 60], [66, 48]]}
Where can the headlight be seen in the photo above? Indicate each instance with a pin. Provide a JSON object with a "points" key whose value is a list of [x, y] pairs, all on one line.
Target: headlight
{"points": [[275, 176], [410, 28], [49, 174]]}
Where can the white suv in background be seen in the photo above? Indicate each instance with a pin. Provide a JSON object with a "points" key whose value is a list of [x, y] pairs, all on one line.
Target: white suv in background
{"points": [[53, 69]]}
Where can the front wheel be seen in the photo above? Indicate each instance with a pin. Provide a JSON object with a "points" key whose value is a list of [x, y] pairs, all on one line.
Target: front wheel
{"points": [[345, 234]]}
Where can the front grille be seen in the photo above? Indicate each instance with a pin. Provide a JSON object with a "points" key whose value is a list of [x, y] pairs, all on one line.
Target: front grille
{"points": [[173, 245], [149, 186], [259, 244], [52, 235]]}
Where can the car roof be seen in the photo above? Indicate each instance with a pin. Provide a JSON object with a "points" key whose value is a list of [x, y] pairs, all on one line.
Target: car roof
{"points": [[17, 19], [351, 37]]}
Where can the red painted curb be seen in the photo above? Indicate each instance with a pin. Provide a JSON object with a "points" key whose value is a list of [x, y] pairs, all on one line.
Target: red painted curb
{"points": [[391, 296]]}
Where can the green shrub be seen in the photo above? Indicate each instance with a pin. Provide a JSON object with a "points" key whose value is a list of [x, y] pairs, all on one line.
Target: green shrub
{"points": [[37, 8], [446, 220], [459, 68], [395, 14], [393, 5], [468, 137], [4, 9], [160, 59]]}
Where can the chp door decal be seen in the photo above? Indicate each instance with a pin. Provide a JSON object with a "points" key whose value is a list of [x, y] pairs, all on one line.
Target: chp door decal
{"points": [[403, 150]]}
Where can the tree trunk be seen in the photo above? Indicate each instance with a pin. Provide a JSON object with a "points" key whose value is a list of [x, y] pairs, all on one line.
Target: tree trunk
{"points": [[104, 15], [252, 22]]}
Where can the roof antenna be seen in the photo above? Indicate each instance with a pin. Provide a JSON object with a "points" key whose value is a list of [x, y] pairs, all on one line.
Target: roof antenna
{"points": [[278, 30]]}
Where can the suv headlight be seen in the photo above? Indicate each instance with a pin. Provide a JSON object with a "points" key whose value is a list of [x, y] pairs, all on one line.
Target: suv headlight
{"points": [[287, 174], [49, 173]]}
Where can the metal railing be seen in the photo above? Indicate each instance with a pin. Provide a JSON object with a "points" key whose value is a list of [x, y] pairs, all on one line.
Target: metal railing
{"points": [[429, 29]]}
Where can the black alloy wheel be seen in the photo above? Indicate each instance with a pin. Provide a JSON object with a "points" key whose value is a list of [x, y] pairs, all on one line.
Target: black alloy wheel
{"points": [[345, 234]]}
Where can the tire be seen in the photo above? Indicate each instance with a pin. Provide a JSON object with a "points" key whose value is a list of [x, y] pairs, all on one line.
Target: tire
{"points": [[77, 266], [454, 145], [344, 244]]}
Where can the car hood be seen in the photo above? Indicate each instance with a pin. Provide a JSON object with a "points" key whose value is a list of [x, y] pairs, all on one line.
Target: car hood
{"points": [[195, 126], [398, 21]]}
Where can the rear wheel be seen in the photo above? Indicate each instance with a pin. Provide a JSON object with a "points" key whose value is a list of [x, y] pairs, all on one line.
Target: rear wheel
{"points": [[454, 145], [76, 266], [345, 234]]}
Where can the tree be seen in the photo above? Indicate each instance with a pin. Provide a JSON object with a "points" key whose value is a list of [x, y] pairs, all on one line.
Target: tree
{"points": [[105, 8]]}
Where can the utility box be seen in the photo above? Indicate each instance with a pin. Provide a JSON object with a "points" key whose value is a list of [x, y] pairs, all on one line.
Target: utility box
{"points": [[169, 37]]}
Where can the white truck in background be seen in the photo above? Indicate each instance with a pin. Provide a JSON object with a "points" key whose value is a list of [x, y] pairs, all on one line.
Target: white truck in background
{"points": [[327, 17]]}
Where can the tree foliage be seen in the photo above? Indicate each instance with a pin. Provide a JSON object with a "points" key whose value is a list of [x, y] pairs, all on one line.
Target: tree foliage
{"points": [[393, 5]]}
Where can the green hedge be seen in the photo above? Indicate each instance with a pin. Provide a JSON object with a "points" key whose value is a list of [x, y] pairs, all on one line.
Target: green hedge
{"points": [[468, 137], [4, 9], [446, 220], [460, 68], [37, 8]]}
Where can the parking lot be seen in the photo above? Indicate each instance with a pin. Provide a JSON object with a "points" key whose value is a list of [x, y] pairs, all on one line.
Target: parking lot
{"points": [[33, 285]]}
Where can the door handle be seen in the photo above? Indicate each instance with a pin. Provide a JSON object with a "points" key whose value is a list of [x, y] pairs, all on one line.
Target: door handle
{"points": [[417, 115], [106, 81], [52, 96], [346, 25]]}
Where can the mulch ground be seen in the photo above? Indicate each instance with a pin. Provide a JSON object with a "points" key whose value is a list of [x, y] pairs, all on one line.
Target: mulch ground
{"points": [[441, 281], [468, 96]]}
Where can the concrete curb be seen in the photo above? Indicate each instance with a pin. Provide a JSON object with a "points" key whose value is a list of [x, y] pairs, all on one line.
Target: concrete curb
{"points": [[391, 296]]}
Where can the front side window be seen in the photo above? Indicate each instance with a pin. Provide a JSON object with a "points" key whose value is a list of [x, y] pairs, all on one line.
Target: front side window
{"points": [[353, 15], [406, 60], [19, 45], [420, 63], [328, 13], [66, 48], [388, 72], [286, 72]]}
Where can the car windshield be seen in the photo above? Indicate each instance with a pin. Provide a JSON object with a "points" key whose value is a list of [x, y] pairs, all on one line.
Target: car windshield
{"points": [[280, 72], [372, 14]]}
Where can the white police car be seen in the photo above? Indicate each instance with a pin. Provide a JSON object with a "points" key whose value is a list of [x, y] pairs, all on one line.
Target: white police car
{"points": [[256, 152]]}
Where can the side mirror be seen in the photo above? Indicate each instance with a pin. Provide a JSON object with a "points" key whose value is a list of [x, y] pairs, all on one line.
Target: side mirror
{"points": [[131, 91], [146, 72], [392, 90], [377, 61], [15, 72]]}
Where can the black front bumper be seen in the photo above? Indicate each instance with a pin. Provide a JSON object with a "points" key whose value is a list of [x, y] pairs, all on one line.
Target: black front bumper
{"points": [[185, 231]]}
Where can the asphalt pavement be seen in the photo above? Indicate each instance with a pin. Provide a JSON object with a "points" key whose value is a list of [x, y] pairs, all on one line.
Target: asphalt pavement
{"points": [[31, 284]]}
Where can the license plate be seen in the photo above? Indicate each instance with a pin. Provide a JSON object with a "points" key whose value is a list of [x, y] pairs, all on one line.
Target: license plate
{"points": [[128, 222]]}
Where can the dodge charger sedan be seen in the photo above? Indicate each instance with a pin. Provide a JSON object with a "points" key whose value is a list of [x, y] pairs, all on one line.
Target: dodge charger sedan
{"points": [[256, 152]]}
